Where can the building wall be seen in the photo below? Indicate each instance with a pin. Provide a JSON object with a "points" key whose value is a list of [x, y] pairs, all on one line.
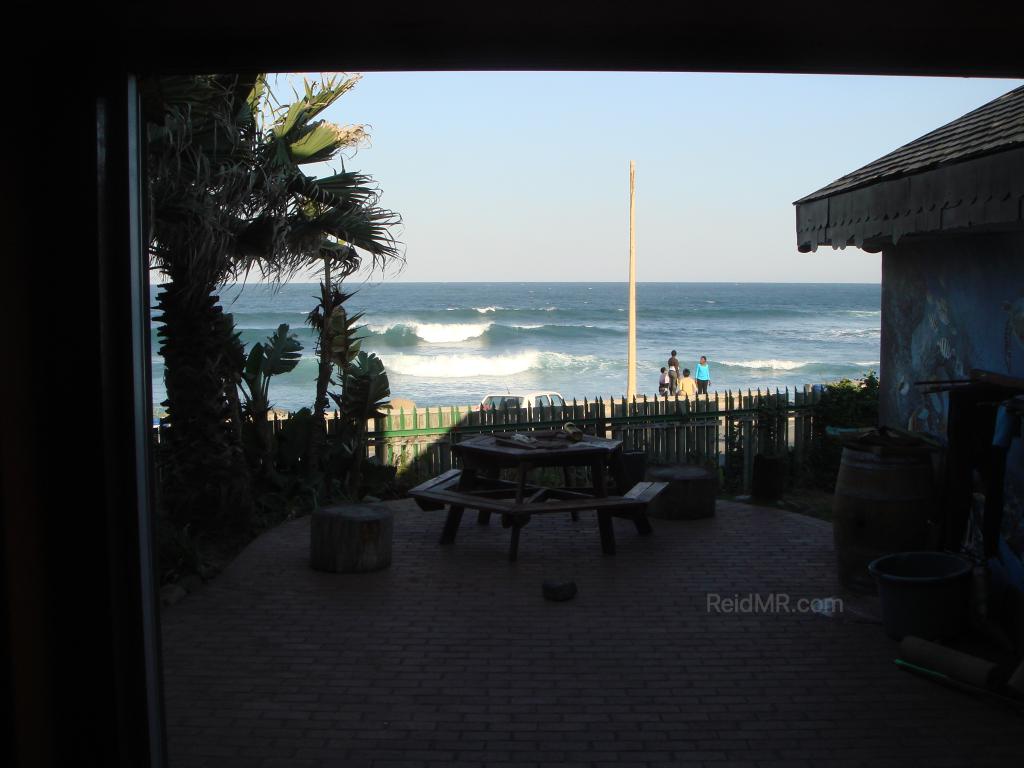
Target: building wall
{"points": [[950, 304]]}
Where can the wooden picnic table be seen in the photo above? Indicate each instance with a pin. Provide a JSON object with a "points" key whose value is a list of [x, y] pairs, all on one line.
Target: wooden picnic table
{"points": [[478, 485]]}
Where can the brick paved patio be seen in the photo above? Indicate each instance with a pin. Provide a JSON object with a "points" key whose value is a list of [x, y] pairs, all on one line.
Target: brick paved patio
{"points": [[451, 657]]}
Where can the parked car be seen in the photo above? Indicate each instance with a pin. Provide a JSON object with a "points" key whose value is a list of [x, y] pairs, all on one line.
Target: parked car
{"points": [[517, 400]]}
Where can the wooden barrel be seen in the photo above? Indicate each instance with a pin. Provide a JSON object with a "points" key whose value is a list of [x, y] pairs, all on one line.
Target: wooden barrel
{"points": [[882, 504]]}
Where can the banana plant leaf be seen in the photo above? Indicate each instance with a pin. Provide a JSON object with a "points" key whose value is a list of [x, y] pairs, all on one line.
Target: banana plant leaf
{"points": [[366, 389], [279, 354], [283, 351], [342, 333]]}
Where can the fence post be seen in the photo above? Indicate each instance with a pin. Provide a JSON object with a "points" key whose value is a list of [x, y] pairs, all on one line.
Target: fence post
{"points": [[717, 434]]}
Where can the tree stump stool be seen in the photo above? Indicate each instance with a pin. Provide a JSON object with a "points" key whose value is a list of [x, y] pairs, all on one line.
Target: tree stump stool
{"points": [[351, 538], [690, 493]]}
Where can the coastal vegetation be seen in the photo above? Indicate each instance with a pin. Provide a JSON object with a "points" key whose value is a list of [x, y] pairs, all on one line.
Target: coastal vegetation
{"points": [[846, 403], [229, 197]]}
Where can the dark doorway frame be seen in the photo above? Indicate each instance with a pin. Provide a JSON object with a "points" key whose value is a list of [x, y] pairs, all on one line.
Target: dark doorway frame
{"points": [[79, 623]]}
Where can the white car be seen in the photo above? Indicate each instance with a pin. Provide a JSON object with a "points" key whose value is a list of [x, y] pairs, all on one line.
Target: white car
{"points": [[533, 399]]}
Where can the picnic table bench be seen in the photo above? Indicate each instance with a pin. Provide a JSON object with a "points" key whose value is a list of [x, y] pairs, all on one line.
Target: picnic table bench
{"points": [[477, 486]]}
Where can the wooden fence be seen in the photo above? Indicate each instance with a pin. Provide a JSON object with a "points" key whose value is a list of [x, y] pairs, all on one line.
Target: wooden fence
{"points": [[724, 429]]}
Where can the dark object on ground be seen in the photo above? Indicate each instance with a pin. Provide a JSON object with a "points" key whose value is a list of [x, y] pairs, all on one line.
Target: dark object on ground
{"points": [[882, 504], [769, 480], [171, 594], [923, 593], [938, 677], [628, 468], [960, 666], [689, 495], [559, 591], [1016, 682], [351, 538]]}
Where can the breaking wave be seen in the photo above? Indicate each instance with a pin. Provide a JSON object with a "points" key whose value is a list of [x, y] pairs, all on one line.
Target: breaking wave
{"points": [[405, 334], [408, 334], [815, 367], [469, 366], [852, 333], [765, 365]]}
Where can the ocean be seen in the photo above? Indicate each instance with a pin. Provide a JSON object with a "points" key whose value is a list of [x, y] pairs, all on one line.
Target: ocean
{"points": [[454, 343]]}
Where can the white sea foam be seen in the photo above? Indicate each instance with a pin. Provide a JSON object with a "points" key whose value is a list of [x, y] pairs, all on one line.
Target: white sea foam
{"points": [[443, 333], [469, 366], [528, 327], [766, 365], [461, 366], [851, 333], [864, 312], [437, 333], [485, 310]]}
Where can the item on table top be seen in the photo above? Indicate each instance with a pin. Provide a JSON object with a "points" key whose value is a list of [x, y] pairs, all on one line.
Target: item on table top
{"points": [[516, 440], [538, 440], [574, 433]]}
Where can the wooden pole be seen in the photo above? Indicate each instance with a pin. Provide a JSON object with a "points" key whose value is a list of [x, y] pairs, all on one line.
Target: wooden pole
{"points": [[631, 354]]}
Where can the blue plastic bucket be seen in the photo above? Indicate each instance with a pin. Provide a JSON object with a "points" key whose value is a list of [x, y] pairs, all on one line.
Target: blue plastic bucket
{"points": [[923, 593]]}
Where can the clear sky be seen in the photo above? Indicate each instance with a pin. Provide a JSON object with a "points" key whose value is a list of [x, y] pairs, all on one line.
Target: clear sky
{"points": [[524, 176]]}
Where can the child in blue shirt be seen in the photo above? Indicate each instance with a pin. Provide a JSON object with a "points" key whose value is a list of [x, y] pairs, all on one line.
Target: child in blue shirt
{"points": [[703, 376]]}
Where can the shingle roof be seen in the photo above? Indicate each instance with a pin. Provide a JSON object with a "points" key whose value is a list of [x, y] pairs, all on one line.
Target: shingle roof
{"points": [[993, 127]]}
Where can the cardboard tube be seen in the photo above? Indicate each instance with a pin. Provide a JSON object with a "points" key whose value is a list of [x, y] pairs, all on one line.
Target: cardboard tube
{"points": [[959, 666]]}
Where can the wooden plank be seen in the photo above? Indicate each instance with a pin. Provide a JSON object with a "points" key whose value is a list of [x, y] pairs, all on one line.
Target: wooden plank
{"points": [[536, 496], [448, 480], [713, 432], [637, 489], [749, 445], [464, 500], [577, 505]]}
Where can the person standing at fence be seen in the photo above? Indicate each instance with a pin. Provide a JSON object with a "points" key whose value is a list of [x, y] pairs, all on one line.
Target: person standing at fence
{"points": [[703, 376], [663, 383], [687, 386], [673, 374]]}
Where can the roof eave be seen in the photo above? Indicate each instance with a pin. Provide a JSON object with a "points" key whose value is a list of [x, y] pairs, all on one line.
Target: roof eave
{"points": [[984, 192]]}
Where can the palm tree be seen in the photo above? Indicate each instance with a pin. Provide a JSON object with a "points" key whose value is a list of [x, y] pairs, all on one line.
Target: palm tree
{"points": [[202, 141], [227, 197], [335, 219]]}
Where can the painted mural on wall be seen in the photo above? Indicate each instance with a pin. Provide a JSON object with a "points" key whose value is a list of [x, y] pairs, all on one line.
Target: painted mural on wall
{"points": [[948, 306]]}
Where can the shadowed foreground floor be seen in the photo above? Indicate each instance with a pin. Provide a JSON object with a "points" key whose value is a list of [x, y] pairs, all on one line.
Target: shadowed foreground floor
{"points": [[451, 657]]}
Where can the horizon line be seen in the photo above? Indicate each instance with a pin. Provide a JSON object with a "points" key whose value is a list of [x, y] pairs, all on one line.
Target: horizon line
{"points": [[566, 282]]}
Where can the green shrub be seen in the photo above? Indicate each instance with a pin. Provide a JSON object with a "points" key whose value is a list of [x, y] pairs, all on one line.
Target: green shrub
{"points": [[844, 404]]}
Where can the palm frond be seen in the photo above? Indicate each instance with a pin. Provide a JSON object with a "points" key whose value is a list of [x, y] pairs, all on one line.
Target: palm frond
{"points": [[317, 98], [321, 141]]}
